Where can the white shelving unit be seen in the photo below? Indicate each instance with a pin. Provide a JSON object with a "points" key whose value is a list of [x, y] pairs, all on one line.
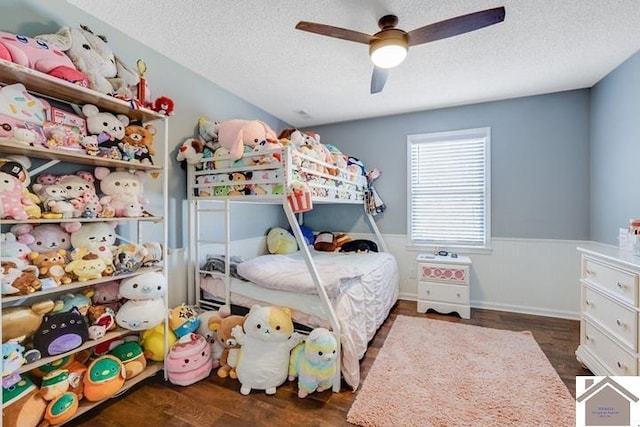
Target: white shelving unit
{"points": [[50, 87]]}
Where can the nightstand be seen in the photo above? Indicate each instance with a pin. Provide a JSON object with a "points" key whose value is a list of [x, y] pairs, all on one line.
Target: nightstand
{"points": [[443, 284]]}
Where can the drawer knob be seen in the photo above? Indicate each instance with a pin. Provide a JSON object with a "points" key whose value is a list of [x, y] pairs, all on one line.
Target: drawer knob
{"points": [[621, 285], [621, 365], [589, 272], [620, 323], [458, 294], [587, 302], [588, 338], [428, 292]]}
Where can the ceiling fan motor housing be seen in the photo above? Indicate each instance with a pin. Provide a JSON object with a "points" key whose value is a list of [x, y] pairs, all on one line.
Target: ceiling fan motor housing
{"points": [[392, 42]]}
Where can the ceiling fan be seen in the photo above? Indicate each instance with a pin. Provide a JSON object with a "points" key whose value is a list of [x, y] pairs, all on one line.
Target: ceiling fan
{"points": [[388, 47]]}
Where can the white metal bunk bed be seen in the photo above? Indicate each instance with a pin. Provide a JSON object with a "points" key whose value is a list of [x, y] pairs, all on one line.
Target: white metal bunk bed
{"points": [[209, 184]]}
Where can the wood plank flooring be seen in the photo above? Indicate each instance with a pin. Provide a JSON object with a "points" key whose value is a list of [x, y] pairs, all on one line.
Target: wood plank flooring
{"points": [[218, 402]]}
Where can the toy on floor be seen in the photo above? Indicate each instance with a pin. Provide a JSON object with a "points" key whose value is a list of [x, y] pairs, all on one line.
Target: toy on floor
{"points": [[152, 342], [281, 242], [189, 360], [231, 348], [105, 377], [207, 330], [266, 344], [314, 362], [183, 320]]}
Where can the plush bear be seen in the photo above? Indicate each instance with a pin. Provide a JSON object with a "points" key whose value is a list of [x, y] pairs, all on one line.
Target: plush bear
{"points": [[235, 134], [42, 238], [109, 129], [11, 249], [183, 320], [22, 322], [55, 201], [141, 139], [222, 327], [12, 199], [18, 281], [123, 191], [281, 242], [266, 343], [163, 105], [79, 187], [314, 362], [210, 334], [38, 55], [95, 237], [92, 56], [51, 265]]}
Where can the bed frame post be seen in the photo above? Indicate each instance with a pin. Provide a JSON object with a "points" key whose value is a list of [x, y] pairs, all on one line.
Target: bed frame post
{"points": [[376, 230], [322, 293]]}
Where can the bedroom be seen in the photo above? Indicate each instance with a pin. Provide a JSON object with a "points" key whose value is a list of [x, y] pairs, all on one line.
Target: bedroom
{"points": [[582, 137]]}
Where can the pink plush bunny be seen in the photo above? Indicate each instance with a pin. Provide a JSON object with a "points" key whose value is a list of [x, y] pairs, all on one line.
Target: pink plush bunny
{"points": [[235, 134]]}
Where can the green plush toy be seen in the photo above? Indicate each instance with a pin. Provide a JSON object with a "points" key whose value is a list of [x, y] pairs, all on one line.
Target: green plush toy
{"points": [[281, 242]]}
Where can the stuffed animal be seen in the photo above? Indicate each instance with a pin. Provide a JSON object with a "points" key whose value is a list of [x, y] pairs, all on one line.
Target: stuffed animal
{"points": [[30, 201], [231, 348], [12, 360], [13, 250], [12, 199], [123, 191], [128, 258], [61, 409], [42, 238], [56, 201], [22, 405], [51, 265], [61, 332], [79, 300], [79, 187], [183, 320], [106, 293], [325, 241], [54, 384], [145, 286], [359, 245], [132, 357], [221, 158], [38, 55], [163, 105], [190, 151], [152, 341], [87, 267], [314, 362], [154, 254], [138, 315], [23, 321], [281, 242], [105, 377], [266, 344], [235, 134], [96, 237], [108, 128], [207, 130], [210, 334], [141, 138], [189, 360], [18, 281], [92, 56]]}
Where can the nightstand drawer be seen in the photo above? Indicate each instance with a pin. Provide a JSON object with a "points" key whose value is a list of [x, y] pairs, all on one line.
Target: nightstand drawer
{"points": [[614, 357], [620, 320], [444, 273], [621, 282], [457, 294]]}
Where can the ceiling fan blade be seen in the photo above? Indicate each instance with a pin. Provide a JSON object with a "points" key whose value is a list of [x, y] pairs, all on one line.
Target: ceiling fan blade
{"points": [[456, 26], [378, 79], [331, 31]]}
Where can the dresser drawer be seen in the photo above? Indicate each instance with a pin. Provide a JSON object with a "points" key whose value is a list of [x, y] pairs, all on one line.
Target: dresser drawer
{"points": [[457, 294], [621, 282], [444, 273], [614, 357], [620, 320]]}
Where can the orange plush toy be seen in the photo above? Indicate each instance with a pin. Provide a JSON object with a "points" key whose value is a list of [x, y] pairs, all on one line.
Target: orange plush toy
{"points": [[222, 326]]}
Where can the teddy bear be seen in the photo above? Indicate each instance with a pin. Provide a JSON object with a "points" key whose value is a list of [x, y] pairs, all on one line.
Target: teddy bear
{"points": [[88, 267], [140, 139], [123, 191], [266, 340], [222, 325], [51, 264], [42, 238], [55, 201], [38, 55], [95, 237], [92, 56], [18, 281], [314, 362], [12, 249], [109, 129], [12, 198], [235, 134]]}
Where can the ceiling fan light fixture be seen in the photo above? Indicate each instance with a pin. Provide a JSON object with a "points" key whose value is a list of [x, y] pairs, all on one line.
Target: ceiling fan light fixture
{"points": [[388, 52]]}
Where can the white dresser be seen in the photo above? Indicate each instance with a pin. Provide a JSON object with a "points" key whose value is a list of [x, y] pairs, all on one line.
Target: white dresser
{"points": [[443, 284], [609, 310]]}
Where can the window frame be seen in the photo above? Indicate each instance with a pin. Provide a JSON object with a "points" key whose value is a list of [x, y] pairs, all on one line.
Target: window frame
{"points": [[455, 135]]}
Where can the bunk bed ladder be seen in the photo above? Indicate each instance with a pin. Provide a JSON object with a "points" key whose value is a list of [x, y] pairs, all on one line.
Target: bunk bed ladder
{"points": [[376, 230], [322, 293]]}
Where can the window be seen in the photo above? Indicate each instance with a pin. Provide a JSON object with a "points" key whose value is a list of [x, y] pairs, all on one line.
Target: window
{"points": [[449, 188]]}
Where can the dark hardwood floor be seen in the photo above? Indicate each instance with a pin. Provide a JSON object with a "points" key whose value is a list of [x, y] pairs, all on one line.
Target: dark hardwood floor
{"points": [[218, 402]]}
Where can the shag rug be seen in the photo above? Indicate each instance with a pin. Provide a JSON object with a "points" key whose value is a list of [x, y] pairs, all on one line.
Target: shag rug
{"points": [[438, 373]]}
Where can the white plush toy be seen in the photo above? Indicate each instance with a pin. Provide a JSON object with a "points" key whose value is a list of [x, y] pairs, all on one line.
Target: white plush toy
{"points": [[149, 285], [123, 191], [314, 362], [139, 315], [266, 344], [92, 56], [190, 151], [94, 237]]}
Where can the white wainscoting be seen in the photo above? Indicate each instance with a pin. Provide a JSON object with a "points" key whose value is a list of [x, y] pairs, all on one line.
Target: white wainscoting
{"points": [[533, 276]]}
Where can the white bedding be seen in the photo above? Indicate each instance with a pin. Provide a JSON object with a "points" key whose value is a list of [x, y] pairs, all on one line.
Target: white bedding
{"points": [[364, 288]]}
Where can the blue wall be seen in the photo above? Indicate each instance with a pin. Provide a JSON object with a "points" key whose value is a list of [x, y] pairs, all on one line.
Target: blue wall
{"points": [[539, 162], [615, 151]]}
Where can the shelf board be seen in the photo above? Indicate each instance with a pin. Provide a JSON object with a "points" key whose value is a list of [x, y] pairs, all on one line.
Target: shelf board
{"points": [[20, 299], [81, 220], [120, 332], [53, 87], [10, 146]]}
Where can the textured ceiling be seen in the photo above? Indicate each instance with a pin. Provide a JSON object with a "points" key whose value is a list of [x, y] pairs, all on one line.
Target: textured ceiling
{"points": [[251, 48]]}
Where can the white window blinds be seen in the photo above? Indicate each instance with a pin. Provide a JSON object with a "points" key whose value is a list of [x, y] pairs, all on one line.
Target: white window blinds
{"points": [[449, 188]]}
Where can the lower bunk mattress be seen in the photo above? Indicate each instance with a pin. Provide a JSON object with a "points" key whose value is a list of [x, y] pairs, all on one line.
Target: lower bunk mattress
{"points": [[362, 289]]}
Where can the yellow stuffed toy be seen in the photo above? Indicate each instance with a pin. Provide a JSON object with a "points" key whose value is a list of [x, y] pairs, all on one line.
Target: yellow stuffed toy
{"points": [[281, 242]]}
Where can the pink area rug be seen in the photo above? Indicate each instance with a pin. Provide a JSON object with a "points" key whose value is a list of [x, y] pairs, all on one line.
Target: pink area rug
{"points": [[437, 373]]}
